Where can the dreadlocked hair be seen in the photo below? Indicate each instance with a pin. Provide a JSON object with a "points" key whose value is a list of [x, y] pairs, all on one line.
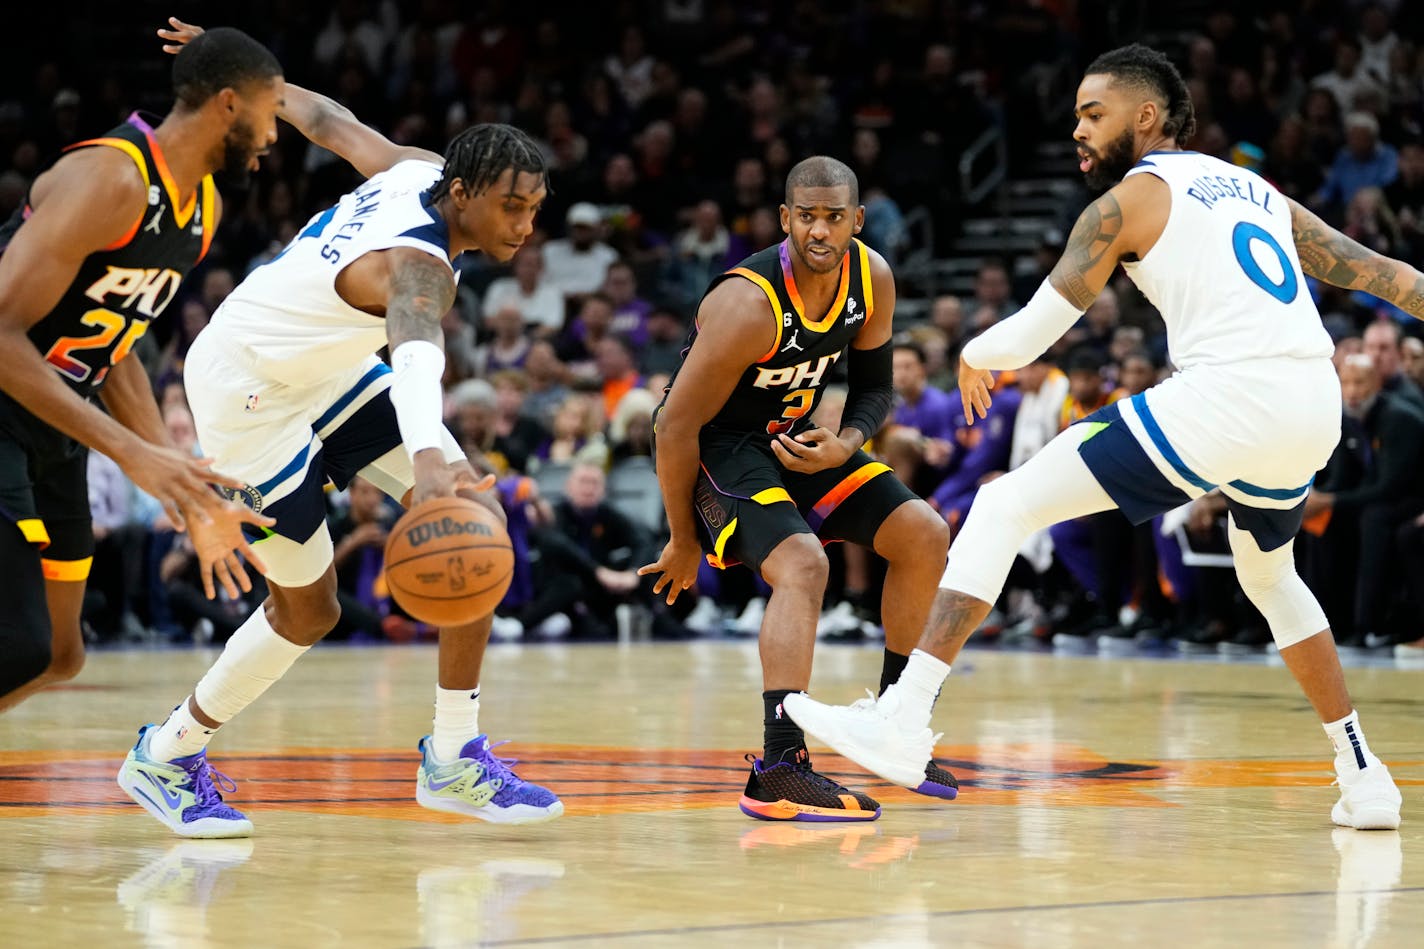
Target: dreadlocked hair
{"points": [[1141, 66], [481, 153]]}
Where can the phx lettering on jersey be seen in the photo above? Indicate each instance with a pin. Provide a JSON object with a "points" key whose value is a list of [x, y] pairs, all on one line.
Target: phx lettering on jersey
{"points": [[147, 289], [1209, 189], [445, 527], [798, 376], [366, 204]]}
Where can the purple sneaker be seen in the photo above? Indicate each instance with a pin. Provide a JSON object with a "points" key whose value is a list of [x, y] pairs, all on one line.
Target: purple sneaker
{"points": [[481, 784], [181, 792]]}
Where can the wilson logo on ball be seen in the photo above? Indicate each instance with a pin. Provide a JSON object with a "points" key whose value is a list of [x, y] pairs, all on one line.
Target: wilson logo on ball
{"points": [[445, 527]]}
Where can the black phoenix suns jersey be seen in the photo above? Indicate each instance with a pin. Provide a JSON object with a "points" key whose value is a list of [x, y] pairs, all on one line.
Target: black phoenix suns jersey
{"points": [[122, 288], [778, 392]]}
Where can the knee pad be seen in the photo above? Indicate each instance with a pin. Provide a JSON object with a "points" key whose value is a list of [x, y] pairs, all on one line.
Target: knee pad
{"points": [[1272, 584]]}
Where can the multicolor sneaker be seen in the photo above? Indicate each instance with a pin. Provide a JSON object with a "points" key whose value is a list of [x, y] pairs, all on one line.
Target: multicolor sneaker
{"points": [[181, 793], [938, 783], [480, 784], [792, 791]]}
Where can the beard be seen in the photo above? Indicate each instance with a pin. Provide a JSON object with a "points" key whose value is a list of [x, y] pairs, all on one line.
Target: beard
{"points": [[1114, 162], [239, 148], [811, 263]]}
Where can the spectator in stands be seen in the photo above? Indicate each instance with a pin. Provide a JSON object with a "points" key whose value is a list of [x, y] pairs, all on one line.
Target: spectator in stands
{"points": [[580, 341], [587, 559], [358, 536], [1136, 373], [1411, 358], [1346, 81], [992, 293], [577, 431], [1382, 345], [1364, 162], [667, 337], [508, 348], [517, 434], [630, 311], [1391, 493], [617, 370], [1405, 197], [1289, 165], [578, 264], [547, 377], [701, 252], [476, 426], [539, 301], [931, 416], [630, 430]]}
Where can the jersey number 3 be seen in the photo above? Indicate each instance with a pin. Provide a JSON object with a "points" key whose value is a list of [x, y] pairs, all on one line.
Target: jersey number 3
{"points": [[800, 404], [110, 325]]}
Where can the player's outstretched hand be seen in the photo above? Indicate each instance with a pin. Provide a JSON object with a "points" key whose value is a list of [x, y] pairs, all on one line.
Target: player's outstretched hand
{"points": [[179, 36], [217, 540], [974, 386], [177, 480], [815, 449], [677, 566]]}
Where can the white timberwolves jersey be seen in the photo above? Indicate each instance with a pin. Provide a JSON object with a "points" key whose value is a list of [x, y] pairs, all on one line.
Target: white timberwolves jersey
{"points": [[287, 316], [1225, 274]]}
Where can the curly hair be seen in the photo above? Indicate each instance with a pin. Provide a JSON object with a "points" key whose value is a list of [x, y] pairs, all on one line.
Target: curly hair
{"points": [[217, 59], [1148, 69], [481, 153]]}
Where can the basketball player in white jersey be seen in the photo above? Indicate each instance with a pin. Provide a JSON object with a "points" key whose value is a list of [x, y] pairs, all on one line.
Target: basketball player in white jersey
{"points": [[1253, 410], [286, 388]]}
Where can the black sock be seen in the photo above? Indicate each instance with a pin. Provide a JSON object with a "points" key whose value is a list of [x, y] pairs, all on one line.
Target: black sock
{"points": [[782, 738], [890, 672]]}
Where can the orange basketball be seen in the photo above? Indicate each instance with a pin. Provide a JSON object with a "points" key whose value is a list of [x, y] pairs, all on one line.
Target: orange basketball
{"points": [[449, 561]]}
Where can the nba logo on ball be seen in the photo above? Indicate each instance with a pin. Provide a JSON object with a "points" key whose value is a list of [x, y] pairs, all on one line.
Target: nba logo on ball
{"points": [[449, 561]]}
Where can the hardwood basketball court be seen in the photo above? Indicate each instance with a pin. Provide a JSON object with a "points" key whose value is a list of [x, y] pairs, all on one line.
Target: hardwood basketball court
{"points": [[1106, 802]]}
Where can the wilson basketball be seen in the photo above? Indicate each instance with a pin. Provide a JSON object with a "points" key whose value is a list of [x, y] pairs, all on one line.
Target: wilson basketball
{"points": [[449, 561]]}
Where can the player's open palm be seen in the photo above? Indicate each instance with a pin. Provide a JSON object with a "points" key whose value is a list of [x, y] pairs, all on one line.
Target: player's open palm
{"points": [[678, 568], [217, 539], [178, 481]]}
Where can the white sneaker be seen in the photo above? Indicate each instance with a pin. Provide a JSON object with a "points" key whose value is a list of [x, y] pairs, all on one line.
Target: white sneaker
{"points": [[749, 623], [555, 627], [506, 628], [1369, 799], [839, 620], [869, 733], [706, 616]]}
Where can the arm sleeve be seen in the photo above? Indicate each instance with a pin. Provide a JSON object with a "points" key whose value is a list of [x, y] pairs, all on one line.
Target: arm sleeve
{"points": [[871, 394], [1015, 341]]}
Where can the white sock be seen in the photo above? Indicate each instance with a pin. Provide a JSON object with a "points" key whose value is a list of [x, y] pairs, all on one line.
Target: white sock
{"points": [[1352, 752], [253, 659], [919, 684], [457, 720], [180, 736]]}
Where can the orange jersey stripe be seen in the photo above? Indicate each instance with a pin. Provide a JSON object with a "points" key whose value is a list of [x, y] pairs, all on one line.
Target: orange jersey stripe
{"points": [[132, 150], [766, 288], [848, 486]]}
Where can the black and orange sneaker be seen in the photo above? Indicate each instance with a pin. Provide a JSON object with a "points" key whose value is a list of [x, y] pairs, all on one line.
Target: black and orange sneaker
{"points": [[938, 783], [792, 791]]}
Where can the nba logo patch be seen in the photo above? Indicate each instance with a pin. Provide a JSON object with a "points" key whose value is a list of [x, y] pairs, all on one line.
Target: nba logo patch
{"points": [[251, 403]]}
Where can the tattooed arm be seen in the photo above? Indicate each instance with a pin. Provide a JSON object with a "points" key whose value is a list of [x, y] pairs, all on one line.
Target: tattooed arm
{"points": [[1328, 255], [1124, 223], [422, 290]]}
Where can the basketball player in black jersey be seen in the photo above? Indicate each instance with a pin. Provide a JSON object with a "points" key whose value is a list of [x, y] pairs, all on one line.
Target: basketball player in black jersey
{"points": [[747, 477], [93, 257]]}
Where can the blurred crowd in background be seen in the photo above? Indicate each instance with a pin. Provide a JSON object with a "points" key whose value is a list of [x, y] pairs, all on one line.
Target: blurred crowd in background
{"points": [[669, 126]]}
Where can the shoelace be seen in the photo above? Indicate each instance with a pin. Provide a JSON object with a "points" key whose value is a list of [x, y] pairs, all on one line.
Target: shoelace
{"points": [[501, 768], [204, 777]]}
